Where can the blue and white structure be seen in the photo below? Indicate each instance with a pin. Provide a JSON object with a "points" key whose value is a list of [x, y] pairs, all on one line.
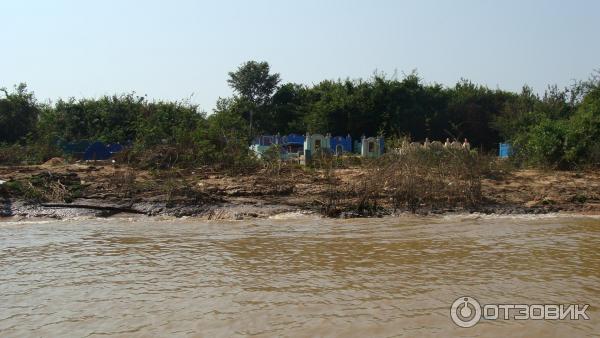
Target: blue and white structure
{"points": [[341, 145], [296, 145], [371, 146], [314, 143]]}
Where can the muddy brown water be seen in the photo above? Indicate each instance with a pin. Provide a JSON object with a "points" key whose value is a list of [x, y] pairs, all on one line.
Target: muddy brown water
{"points": [[299, 276]]}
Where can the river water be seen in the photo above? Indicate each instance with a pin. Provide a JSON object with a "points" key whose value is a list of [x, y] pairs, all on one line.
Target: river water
{"points": [[297, 276]]}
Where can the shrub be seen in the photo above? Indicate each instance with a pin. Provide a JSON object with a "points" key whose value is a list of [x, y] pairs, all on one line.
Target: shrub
{"points": [[545, 144], [34, 153], [419, 177]]}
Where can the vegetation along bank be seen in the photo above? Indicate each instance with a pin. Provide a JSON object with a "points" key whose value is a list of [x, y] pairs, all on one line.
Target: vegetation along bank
{"points": [[179, 160]]}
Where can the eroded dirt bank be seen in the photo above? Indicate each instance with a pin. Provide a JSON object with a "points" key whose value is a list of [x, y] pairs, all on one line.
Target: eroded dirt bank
{"points": [[102, 190]]}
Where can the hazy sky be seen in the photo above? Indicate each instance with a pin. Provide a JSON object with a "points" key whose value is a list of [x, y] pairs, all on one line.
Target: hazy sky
{"points": [[173, 49]]}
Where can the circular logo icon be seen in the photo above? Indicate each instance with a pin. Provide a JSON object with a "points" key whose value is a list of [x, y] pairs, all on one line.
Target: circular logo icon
{"points": [[465, 311]]}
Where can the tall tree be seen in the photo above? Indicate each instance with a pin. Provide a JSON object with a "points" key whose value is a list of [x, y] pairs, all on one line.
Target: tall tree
{"points": [[253, 83]]}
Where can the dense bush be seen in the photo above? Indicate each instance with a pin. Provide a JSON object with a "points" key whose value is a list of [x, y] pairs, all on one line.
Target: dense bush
{"points": [[32, 153], [582, 145], [557, 134], [544, 143], [561, 128], [18, 114]]}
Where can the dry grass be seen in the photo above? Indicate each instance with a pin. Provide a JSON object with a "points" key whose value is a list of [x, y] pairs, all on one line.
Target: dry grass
{"points": [[123, 182], [431, 177]]}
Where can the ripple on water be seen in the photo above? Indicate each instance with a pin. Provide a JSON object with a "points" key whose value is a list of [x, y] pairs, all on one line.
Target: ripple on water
{"points": [[291, 276]]}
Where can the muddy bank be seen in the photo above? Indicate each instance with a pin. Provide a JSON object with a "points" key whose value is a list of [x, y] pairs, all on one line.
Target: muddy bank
{"points": [[61, 191], [102, 208]]}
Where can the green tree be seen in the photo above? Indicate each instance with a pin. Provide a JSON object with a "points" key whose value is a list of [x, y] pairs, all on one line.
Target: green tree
{"points": [[168, 123], [471, 111], [226, 138], [254, 84], [544, 144], [517, 114], [583, 135], [18, 114], [289, 106]]}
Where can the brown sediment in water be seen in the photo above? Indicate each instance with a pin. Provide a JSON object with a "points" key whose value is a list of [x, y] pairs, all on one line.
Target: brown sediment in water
{"points": [[299, 277], [104, 189]]}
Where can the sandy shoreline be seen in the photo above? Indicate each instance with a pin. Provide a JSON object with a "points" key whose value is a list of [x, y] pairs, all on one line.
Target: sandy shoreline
{"points": [[106, 190]]}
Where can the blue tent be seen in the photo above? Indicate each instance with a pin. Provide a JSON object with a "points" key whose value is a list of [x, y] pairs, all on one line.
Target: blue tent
{"points": [[114, 148], [97, 151]]}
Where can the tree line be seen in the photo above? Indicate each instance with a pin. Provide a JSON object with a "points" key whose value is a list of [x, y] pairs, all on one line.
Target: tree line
{"points": [[560, 128]]}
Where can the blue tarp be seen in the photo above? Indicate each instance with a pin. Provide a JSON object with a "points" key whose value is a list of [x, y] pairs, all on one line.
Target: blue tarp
{"points": [[75, 147], [97, 151]]}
